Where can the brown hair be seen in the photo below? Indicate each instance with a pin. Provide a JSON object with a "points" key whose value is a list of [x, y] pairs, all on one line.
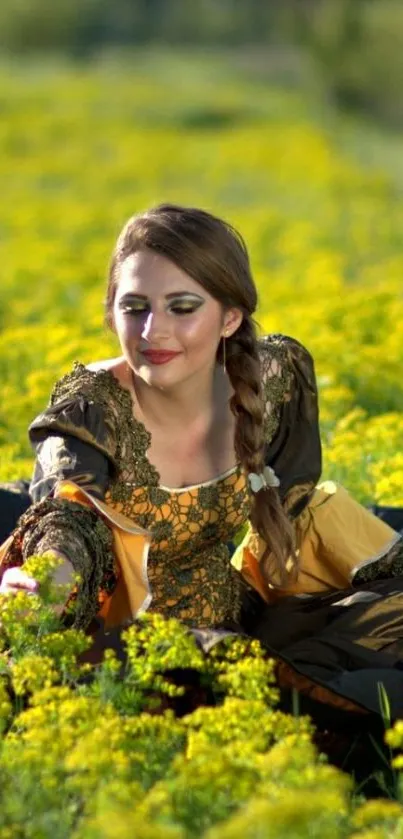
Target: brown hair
{"points": [[213, 253]]}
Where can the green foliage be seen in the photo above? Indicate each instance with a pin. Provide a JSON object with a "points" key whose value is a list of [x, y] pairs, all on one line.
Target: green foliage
{"points": [[81, 27], [78, 760], [349, 50]]}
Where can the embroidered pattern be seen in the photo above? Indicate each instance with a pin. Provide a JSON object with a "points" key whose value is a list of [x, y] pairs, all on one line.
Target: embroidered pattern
{"points": [[276, 380], [388, 565]]}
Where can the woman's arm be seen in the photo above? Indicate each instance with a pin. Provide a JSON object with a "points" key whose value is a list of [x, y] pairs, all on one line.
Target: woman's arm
{"points": [[339, 542], [72, 531], [80, 536], [293, 446]]}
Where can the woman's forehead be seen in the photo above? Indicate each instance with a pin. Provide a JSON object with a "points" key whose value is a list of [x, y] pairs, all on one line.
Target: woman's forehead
{"points": [[152, 274]]}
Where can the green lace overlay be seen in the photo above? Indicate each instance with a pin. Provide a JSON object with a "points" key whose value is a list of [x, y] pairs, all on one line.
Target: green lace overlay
{"points": [[276, 380], [386, 566], [189, 562], [129, 439]]}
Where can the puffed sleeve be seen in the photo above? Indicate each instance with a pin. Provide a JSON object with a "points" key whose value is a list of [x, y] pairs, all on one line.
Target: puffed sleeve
{"points": [[74, 438], [293, 447], [71, 439]]}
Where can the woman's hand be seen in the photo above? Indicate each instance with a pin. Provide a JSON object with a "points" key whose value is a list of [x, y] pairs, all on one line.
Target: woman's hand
{"points": [[15, 579]]}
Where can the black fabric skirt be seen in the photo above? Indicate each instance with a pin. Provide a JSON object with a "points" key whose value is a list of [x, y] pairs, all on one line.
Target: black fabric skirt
{"points": [[14, 500], [345, 643]]}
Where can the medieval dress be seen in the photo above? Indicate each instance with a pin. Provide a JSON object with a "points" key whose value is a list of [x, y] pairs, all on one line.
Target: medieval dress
{"points": [[190, 553]]}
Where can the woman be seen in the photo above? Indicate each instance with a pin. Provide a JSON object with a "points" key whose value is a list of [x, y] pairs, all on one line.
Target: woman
{"points": [[150, 465]]}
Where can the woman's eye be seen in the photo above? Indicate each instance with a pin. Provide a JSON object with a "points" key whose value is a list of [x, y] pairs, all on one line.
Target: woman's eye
{"points": [[183, 310], [133, 310], [141, 310]]}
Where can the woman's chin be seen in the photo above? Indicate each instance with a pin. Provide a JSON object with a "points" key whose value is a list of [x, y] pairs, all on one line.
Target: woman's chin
{"points": [[158, 375]]}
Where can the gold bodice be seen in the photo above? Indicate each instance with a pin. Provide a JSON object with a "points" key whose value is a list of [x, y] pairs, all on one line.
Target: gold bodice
{"points": [[189, 567]]}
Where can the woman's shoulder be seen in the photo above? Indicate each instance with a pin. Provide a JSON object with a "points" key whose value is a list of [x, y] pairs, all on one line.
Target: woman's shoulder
{"points": [[284, 357], [278, 344], [114, 365], [276, 354], [100, 380], [287, 378], [88, 402]]}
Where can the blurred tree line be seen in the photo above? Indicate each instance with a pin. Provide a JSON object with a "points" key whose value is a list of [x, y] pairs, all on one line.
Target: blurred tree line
{"points": [[354, 48]]}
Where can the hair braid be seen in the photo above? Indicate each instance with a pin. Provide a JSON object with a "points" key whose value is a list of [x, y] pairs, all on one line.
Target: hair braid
{"points": [[267, 515]]}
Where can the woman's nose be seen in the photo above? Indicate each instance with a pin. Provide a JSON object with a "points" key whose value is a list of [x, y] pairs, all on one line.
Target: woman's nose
{"points": [[155, 326]]}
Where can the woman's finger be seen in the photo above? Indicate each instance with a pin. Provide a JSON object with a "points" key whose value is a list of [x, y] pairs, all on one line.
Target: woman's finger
{"points": [[14, 579]]}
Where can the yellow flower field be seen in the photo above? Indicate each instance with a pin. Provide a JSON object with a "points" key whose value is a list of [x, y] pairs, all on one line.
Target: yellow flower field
{"points": [[86, 752], [83, 148]]}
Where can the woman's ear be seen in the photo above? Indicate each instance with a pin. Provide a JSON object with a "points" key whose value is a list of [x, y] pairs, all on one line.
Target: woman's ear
{"points": [[109, 322], [232, 320]]}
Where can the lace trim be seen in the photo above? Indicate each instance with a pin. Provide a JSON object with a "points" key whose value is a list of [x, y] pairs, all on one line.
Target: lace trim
{"points": [[276, 380], [388, 563], [132, 437], [213, 481]]}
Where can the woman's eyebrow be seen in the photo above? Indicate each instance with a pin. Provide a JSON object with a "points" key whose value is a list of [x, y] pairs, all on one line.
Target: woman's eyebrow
{"points": [[174, 294], [183, 294]]}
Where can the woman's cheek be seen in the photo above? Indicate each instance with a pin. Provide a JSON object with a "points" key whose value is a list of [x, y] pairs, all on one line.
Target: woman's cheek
{"points": [[128, 329], [196, 329]]}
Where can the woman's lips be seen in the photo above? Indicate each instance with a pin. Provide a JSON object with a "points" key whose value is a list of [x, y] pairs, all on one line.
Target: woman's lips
{"points": [[159, 356]]}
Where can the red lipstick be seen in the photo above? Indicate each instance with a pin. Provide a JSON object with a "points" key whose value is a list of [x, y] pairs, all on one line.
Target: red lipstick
{"points": [[159, 356]]}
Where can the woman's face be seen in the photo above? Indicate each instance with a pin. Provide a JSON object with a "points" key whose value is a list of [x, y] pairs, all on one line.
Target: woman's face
{"points": [[168, 326]]}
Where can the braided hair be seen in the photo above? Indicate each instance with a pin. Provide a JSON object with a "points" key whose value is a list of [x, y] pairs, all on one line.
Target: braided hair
{"points": [[267, 515], [214, 254]]}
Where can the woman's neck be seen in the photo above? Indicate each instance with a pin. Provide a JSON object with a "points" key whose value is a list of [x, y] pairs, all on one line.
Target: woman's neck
{"points": [[196, 398]]}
